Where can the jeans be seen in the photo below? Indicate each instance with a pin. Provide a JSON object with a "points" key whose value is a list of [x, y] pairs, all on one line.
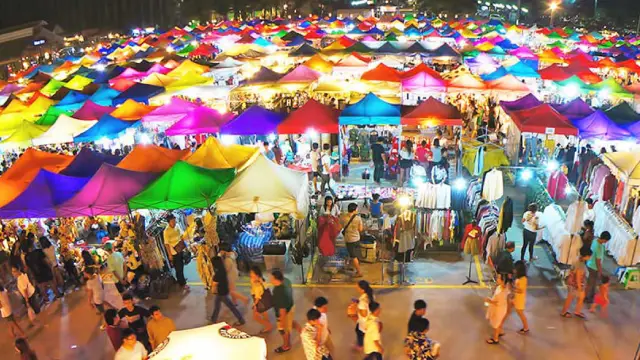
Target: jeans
{"points": [[326, 178], [227, 301], [592, 281], [378, 171], [528, 239], [531, 149], [178, 264]]}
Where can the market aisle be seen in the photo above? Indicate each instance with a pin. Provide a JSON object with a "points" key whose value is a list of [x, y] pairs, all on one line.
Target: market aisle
{"points": [[456, 315]]}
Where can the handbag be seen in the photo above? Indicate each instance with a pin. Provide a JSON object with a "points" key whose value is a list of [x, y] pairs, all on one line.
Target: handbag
{"points": [[266, 301], [180, 246]]}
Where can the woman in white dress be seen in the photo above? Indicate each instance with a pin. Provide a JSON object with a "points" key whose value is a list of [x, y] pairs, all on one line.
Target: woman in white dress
{"points": [[497, 309]]}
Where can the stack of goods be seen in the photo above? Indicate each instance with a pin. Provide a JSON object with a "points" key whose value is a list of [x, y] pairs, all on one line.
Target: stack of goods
{"points": [[251, 241], [351, 192]]}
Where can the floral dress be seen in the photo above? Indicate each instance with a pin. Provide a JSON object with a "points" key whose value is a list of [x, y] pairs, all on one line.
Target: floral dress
{"points": [[420, 347]]}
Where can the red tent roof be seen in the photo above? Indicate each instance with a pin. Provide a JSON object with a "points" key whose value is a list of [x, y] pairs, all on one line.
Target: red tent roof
{"points": [[554, 72], [432, 113], [312, 115], [543, 119], [381, 73]]}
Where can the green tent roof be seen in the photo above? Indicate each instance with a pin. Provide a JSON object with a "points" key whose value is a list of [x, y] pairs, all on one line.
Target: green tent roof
{"points": [[52, 87], [51, 116], [184, 186]]}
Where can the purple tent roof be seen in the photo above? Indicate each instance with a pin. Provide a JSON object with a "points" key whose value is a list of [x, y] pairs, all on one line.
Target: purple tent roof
{"points": [[171, 112], [527, 102], [202, 120], [44, 193], [598, 125], [254, 121], [574, 109], [92, 111], [107, 193], [87, 163], [10, 88]]}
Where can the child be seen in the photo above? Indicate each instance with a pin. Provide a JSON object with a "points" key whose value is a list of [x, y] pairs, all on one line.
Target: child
{"points": [[311, 335], [372, 339], [602, 297], [322, 304]]}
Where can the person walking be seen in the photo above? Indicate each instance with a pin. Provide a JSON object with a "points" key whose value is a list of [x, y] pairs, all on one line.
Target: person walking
{"points": [[284, 308], [22, 347], [519, 297], [379, 159], [262, 299], [359, 311], [229, 258], [594, 265], [322, 305], [311, 337], [417, 345], [159, 327], [316, 170], [530, 222], [325, 167], [116, 266], [131, 348], [576, 284], [28, 292], [497, 309], [372, 336], [95, 293], [220, 279], [419, 311], [352, 227], [52, 260], [136, 318], [406, 161], [39, 266], [7, 314], [174, 242]]}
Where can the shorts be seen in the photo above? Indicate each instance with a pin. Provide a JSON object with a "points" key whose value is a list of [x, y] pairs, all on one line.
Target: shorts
{"points": [[100, 308], [316, 174], [600, 300], [287, 324], [353, 248], [405, 164]]}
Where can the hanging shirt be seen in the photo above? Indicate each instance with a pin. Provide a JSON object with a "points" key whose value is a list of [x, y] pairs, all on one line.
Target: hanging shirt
{"points": [[493, 187]]}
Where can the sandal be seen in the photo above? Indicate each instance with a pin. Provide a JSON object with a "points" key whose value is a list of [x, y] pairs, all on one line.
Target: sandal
{"points": [[566, 315], [281, 350], [493, 342], [523, 331], [580, 315]]}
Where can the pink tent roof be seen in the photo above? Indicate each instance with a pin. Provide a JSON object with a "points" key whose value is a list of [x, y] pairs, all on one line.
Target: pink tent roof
{"points": [[92, 111], [300, 74], [523, 53], [107, 193], [508, 83], [175, 110], [423, 80], [202, 120], [157, 68]]}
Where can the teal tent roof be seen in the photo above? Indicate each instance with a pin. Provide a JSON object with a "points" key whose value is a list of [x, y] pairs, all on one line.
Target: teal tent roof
{"points": [[371, 110]]}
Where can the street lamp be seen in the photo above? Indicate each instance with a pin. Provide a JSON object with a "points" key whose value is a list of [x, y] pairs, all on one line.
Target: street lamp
{"points": [[553, 7]]}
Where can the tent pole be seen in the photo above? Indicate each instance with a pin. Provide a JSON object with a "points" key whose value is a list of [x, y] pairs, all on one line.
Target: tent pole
{"points": [[340, 151]]}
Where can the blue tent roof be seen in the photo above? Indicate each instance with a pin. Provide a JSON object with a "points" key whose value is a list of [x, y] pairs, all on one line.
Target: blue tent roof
{"points": [[107, 127], [87, 163], [296, 41], [521, 70], [72, 101], [139, 92], [101, 77], [598, 125], [255, 120], [104, 96], [445, 50], [500, 72], [371, 110]]}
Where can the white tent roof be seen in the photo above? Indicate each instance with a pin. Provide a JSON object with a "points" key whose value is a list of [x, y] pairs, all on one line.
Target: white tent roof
{"points": [[63, 130], [212, 342], [264, 186]]}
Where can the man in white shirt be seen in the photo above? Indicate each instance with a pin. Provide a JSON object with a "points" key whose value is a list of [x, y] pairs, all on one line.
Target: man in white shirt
{"points": [[7, 313], [589, 213], [172, 241], [326, 170], [314, 156], [372, 339], [116, 265], [131, 348]]}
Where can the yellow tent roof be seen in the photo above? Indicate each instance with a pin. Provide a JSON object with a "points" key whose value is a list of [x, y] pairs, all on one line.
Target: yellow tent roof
{"points": [[78, 83], [132, 110], [14, 106], [10, 122], [334, 46], [24, 134], [188, 80], [88, 60], [318, 63], [624, 165], [38, 107], [187, 67], [158, 79], [214, 155]]}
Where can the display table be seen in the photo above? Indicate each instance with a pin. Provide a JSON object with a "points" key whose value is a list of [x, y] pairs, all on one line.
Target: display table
{"points": [[214, 342]]}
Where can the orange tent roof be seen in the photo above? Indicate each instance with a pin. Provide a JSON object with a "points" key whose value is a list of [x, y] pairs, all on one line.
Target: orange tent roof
{"points": [[432, 113], [152, 158], [24, 170], [467, 81], [318, 63], [508, 83], [381, 73], [132, 110]]}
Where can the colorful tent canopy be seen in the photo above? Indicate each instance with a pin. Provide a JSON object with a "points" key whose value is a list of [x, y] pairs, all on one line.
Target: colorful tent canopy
{"points": [[64, 130], [152, 158], [139, 92], [23, 135], [466, 81], [108, 127], [87, 162], [51, 116], [574, 109], [526, 102], [432, 112], [286, 192], [318, 63], [169, 191], [625, 165], [92, 111], [44, 193], [171, 112], [202, 120], [214, 155], [300, 74], [623, 114], [255, 120], [370, 110], [381, 73], [132, 110], [312, 116], [106, 193], [542, 119], [599, 126], [508, 83]]}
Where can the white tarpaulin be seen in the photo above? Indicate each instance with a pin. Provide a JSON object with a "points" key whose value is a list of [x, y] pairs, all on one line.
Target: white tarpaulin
{"points": [[213, 342], [264, 186], [64, 130]]}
